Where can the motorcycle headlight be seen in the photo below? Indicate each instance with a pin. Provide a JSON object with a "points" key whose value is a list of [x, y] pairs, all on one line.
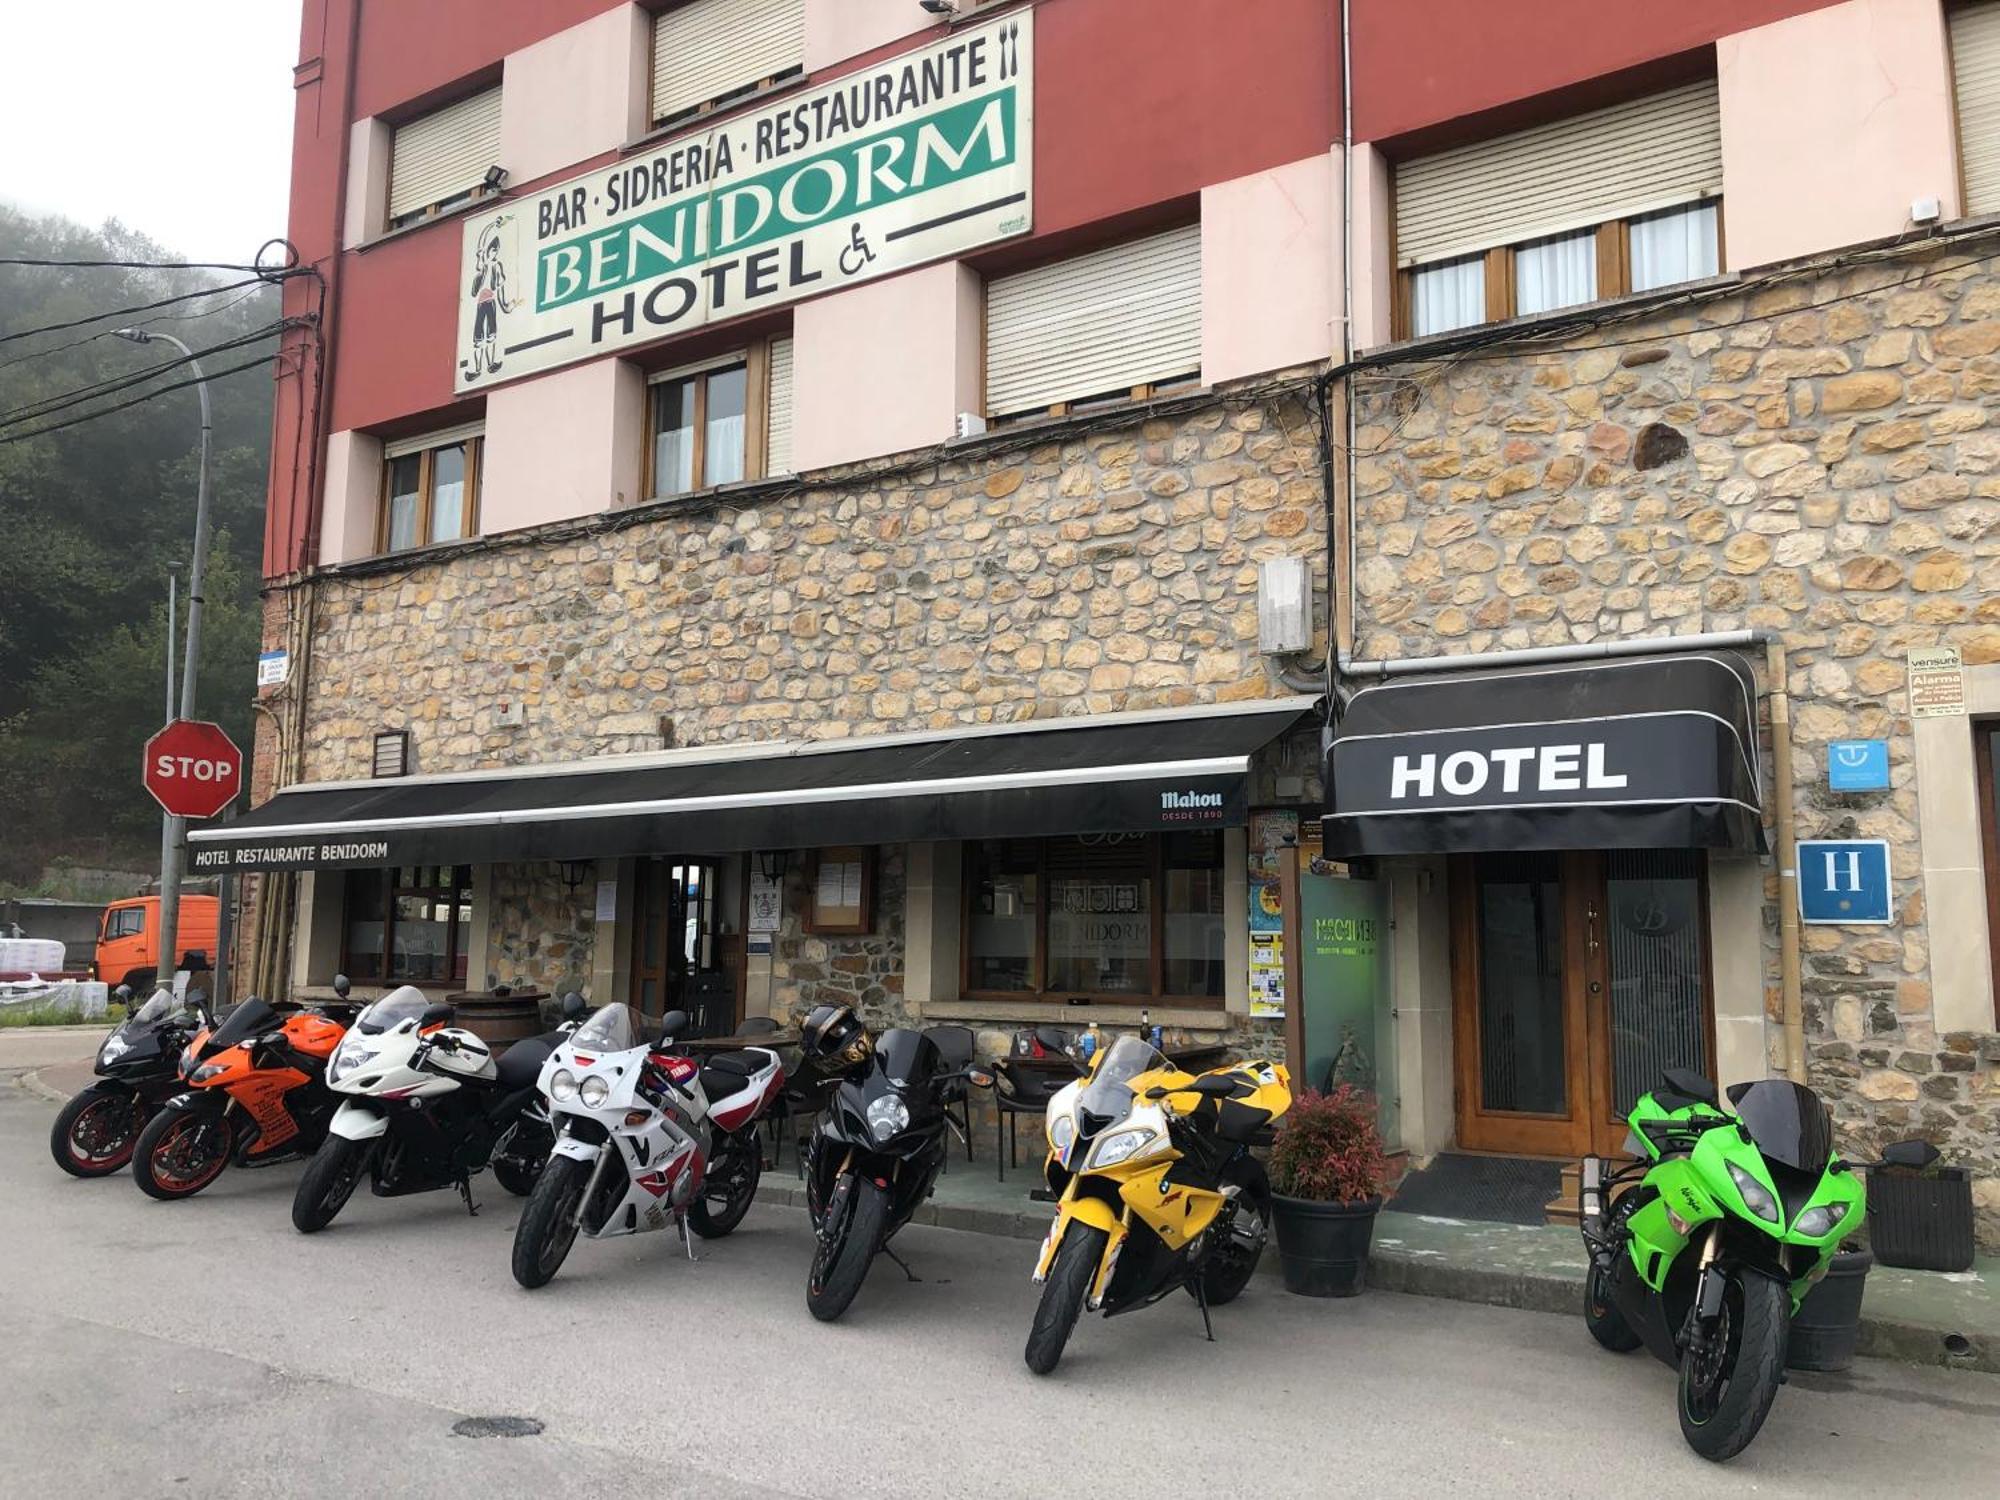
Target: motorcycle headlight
{"points": [[188, 1059], [1062, 1135], [115, 1047], [1756, 1197], [205, 1072], [1815, 1223], [593, 1091], [886, 1116], [347, 1059], [1120, 1146], [562, 1087]]}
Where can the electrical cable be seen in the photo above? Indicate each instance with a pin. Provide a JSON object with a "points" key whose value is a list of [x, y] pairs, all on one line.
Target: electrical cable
{"points": [[140, 265], [179, 385], [126, 312], [105, 333], [63, 401]]}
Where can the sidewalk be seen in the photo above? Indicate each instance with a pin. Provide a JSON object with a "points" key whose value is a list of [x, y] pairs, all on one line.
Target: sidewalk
{"points": [[1917, 1317]]}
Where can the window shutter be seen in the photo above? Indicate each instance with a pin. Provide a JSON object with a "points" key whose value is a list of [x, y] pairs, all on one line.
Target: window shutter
{"points": [[1975, 66], [1608, 164], [444, 153], [709, 48], [1095, 324], [778, 438]]}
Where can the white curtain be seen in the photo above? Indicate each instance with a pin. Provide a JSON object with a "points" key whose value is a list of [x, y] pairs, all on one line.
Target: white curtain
{"points": [[1554, 273], [1448, 295], [1672, 247]]}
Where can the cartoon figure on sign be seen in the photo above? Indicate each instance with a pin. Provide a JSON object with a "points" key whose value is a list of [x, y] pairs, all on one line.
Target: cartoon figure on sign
{"points": [[489, 296]]}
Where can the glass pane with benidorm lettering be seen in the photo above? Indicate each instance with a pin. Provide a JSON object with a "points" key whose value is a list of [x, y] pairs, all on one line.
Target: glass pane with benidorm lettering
{"points": [[1000, 941], [1100, 921]]}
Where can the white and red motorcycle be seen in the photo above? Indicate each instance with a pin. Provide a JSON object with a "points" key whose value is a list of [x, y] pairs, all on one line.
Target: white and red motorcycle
{"points": [[645, 1138]]}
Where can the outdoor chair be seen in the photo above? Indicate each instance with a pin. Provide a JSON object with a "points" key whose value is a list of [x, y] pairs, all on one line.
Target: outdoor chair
{"points": [[1022, 1090]]}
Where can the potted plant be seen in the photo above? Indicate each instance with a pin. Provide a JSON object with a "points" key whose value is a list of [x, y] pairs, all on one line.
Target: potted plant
{"points": [[1327, 1171]]}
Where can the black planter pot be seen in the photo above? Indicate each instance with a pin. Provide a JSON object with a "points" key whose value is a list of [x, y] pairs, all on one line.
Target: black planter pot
{"points": [[1323, 1247], [1828, 1323]]}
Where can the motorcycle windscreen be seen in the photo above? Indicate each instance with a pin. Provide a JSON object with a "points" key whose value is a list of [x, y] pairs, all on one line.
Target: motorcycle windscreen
{"points": [[611, 1028], [907, 1057], [163, 1005], [1787, 1122], [242, 1023], [1108, 1095], [404, 1003]]}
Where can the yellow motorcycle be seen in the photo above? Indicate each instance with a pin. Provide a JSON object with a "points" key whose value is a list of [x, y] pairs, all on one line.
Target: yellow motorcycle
{"points": [[1155, 1186]]}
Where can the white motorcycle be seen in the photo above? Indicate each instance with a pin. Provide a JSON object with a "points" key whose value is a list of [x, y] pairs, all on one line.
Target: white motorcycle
{"points": [[425, 1107], [644, 1138]]}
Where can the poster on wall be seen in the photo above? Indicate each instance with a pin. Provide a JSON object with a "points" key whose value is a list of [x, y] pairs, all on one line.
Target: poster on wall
{"points": [[1269, 831], [767, 904], [1267, 975], [924, 156]]}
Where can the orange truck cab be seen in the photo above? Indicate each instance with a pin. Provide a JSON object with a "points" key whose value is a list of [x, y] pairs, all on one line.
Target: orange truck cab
{"points": [[128, 938]]}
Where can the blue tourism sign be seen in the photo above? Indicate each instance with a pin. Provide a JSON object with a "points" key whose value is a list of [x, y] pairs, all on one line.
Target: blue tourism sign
{"points": [[1844, 880], [1857, 765]]}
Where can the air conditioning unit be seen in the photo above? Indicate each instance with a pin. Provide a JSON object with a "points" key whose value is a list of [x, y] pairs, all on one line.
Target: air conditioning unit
{"points": [[970, 424]]}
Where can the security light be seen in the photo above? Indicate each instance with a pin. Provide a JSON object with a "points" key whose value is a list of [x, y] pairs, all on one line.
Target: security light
{"points": [[940, 7], [495, 179]]}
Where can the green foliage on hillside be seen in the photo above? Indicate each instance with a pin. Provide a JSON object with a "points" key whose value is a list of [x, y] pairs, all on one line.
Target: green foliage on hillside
{"points": [[91, 515]]}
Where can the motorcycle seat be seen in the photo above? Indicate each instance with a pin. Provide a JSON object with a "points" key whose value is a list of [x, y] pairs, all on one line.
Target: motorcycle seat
{"points": [[521, 1064], [742, 1064]]}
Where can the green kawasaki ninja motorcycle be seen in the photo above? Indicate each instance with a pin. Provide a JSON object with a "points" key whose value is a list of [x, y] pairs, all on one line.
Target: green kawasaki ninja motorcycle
{"points": [[1733, 1219]]}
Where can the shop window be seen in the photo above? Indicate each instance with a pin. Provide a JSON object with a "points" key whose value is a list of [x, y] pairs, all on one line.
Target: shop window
{"points": [[1975, 76], [1618, 200], [1134, 917], [430, 490], [719, 423], [708, 53], [1108, 326], [409, 925], [441, 159]]}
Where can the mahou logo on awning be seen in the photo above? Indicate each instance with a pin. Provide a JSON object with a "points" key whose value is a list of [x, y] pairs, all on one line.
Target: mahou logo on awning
{"points": [[1190, 806]]}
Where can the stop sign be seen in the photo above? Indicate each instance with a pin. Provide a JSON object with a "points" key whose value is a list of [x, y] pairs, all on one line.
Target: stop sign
{"points": [[193, 769]]}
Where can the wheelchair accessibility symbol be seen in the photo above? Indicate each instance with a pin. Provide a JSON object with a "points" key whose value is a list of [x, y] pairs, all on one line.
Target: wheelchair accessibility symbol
{"points": [[857, 253]]}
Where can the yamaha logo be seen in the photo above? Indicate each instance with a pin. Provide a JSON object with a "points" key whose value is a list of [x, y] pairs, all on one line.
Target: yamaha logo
{"points": [[1187, 806]]}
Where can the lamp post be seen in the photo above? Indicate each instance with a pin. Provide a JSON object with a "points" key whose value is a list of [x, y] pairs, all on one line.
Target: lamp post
{"points": [[176, 829]]}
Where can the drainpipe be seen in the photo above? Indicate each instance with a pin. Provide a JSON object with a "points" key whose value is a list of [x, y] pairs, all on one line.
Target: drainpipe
{"points": [[1785, 826]]}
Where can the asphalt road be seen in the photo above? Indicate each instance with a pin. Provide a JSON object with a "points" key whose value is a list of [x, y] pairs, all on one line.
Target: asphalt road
{"points": [[204, 1348]]}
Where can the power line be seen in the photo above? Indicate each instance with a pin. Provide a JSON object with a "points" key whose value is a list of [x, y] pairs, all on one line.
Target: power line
{"points": [[126, 312], [144, 265], [105, 333], [63, 401], [179, 385]]}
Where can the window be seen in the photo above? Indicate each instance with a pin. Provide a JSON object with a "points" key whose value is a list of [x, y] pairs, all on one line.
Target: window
{"points": [[720, 423], [408, 926], [127, 921], [1109, 916], [1975, 70], [1113, 324], [430, 490], [1619, 200], [441, 158], [711, 52]]}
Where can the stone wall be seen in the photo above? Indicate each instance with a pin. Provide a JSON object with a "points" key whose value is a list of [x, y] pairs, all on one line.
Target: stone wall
{"points": [[864, 970], [1819, 457], [540, 933], [1115, 570]]}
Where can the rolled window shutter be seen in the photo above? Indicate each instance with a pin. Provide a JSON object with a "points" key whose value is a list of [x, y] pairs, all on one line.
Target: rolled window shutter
{"points": [[444, 153], [1975, 67], [1095, 324], [778, 430], [1609, 164], [709, 48]]}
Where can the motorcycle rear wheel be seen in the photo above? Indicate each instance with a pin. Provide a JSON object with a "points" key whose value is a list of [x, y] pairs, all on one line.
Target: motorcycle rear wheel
{"points": [[1724, 1399], [737, 1169], [94, 1133], [180, 1152], [329, 1181], [1230, 1265], [841, 1263], [1063, 1295], [548, 1224]]}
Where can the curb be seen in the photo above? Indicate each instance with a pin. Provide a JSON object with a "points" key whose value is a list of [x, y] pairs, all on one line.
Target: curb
{"points": [[31, 1083]]}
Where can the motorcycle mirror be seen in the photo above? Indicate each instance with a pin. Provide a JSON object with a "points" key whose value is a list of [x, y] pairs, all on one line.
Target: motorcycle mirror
{"points": [[672, 1024], [341, 985], [572, 1006], [1916, 1154], [124, 994], [435, 1013]]}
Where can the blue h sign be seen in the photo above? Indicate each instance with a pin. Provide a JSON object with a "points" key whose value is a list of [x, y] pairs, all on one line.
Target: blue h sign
{"points": [[1844, 880], [1857, 765]]}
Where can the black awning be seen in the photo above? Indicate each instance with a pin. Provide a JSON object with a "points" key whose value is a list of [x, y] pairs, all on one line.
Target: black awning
{"points": [[1654, 752], [1131, 773]]}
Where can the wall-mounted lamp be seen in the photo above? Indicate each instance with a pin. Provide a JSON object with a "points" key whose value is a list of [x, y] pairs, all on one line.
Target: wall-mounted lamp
{"points": [[772, 863], [494, 180], [574, 873], [940, 7]]}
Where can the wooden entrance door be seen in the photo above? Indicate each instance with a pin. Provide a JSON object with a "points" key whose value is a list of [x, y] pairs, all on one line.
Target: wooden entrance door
{"points": [[1576, 979], [675, 962]]}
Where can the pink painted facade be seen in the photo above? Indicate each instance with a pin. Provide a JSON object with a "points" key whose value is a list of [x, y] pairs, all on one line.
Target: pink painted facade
{"points": [[1270, 269]]}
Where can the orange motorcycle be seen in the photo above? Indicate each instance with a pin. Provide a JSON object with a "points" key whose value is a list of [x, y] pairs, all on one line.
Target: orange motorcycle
{"points": [[256, 1094]]}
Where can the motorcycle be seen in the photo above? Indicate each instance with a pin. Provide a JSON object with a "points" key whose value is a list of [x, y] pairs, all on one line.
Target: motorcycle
{"points": [[424, 1106], [255, 1094], [1725, 1222], [877, 1153], [644, 1137], [1156, 1188], [138, 1070]]}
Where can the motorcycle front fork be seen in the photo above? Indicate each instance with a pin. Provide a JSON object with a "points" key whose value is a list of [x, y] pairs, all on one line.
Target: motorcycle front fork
{"points": [[1705, 1312]]}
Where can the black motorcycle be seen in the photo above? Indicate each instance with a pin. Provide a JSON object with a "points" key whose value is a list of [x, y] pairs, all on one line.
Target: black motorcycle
{"points": [[878, 1150], [138, 1070]]}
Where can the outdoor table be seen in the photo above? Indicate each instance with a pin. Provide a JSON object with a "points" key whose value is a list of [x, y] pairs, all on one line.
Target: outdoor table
{"points": [[772, 1039]]}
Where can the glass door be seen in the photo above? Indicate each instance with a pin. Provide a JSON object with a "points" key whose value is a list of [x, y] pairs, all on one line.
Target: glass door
{"points": [[675, 964], [1653, 954]]}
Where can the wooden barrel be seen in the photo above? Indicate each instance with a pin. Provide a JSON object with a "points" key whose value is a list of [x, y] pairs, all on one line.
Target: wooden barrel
{"points": [[500, 1020]]}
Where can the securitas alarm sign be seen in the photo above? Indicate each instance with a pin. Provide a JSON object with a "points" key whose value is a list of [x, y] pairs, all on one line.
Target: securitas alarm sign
{"points": [[923, 156]]}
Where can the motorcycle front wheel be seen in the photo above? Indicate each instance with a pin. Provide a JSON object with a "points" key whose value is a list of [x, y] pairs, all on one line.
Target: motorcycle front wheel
{"points": [[548, 1224], [181, 1151], [1726, 1392], [329, 1181], [94, 1133], [730, 1186], [841, 1261], [1063, 1295]]}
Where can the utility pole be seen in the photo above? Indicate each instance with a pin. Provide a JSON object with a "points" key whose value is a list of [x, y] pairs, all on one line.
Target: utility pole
{"points": [[166, 819], [176, 828]]}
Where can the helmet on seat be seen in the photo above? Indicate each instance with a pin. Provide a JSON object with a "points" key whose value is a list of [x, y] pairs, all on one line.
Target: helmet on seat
{"points": [[834, 1034]]}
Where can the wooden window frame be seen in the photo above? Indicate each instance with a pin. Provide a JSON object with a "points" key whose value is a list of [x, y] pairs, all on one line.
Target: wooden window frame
{"points": [[755, 362], [426, 457], [455, 946], [1040, 991], [1614, 273], [813, 921]]}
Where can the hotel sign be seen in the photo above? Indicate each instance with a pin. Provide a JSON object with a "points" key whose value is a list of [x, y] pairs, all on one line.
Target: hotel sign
{"points": [[924, 156]]}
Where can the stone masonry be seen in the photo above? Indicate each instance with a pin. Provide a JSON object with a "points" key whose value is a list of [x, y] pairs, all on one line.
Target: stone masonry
{"points": [[1820, 457]]}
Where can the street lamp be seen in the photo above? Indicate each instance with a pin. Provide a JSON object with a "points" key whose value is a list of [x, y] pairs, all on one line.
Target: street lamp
{"points": [[176, 831]]}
